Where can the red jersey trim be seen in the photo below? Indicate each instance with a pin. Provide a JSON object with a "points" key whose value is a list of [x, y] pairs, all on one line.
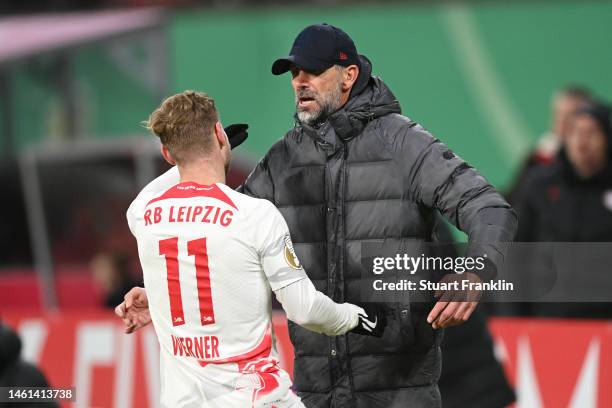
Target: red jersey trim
{"points": [[262, 350], [191, 189]]}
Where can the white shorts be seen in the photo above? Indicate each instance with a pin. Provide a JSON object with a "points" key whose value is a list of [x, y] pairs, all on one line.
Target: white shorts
{"points": [[257, 384]]}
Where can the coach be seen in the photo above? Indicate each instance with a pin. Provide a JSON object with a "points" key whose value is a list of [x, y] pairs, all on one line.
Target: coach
{"points": [[354, 170]]}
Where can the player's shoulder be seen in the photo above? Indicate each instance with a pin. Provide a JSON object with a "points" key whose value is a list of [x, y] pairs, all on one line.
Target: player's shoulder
{"points": [[247, 204], [155, 188], [254, 217], [161, 183]]}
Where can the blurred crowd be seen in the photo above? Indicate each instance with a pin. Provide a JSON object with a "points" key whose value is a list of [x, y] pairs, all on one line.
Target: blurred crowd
{"points": [[563, 192], [16, 372]]}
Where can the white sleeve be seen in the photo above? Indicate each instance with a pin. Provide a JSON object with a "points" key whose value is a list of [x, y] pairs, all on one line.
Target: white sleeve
{"points": [[314, 311], [129, 216], [303, 304], [278, 258]]}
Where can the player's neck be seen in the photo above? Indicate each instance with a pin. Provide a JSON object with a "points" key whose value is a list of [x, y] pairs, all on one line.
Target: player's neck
{"points": [[204, 172]]}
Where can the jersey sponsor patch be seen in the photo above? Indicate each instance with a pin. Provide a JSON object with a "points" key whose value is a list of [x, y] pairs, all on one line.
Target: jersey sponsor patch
{"points": [[290, 255]]}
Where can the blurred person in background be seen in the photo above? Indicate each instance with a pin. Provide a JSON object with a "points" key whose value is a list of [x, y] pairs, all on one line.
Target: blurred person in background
{"points": [[112, 273], [15, 372], [565, 104], [571, 200]]}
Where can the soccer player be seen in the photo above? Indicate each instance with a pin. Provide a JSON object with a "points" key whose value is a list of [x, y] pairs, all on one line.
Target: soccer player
{"points": [[210, 257]]}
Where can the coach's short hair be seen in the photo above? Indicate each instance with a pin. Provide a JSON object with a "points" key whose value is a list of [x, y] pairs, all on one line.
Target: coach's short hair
{"points": [[185, 124]]}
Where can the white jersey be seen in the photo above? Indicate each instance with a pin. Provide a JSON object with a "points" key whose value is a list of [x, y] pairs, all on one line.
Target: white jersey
{"points": [[210, 257]]}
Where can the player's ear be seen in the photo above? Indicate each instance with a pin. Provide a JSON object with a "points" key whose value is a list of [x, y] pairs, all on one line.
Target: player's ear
{"points": [[221, 136], [167, 156]]}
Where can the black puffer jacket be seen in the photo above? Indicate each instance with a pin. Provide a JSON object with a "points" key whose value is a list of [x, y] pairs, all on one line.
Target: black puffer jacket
{"points": [[369, 174]]}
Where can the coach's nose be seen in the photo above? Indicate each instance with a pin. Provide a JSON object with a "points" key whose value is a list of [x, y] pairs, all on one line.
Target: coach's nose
{"points": [[301, 78]]}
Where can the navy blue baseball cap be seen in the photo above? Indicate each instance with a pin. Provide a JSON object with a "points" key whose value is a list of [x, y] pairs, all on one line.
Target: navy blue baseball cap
{"points": [[317, 48]]}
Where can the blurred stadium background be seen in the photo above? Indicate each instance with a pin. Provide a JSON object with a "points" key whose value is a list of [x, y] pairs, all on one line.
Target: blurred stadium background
{"points": [[78, 77]]}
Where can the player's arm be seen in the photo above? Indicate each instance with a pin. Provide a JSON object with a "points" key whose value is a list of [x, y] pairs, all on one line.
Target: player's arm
{"points": [[311, 309], [314, 311], [302, 303]]}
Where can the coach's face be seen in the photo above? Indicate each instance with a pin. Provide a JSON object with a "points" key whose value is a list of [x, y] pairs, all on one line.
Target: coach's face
{"points": [[320, 93]]}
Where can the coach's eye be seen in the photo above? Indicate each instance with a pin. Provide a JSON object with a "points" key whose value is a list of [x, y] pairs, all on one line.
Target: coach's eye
{"points": [[317, 72]]}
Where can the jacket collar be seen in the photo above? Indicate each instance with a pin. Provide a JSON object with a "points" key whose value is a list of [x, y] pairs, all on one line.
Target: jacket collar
{"points": [[374, 101]]}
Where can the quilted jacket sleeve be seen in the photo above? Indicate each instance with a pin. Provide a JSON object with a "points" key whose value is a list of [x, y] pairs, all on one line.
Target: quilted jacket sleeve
{"points": [[438, 178]]}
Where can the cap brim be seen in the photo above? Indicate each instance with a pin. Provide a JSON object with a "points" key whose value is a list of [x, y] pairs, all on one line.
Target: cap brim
{"points": [[282, 65]]}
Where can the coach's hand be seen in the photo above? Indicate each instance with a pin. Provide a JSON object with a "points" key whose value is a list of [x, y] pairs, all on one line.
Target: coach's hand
{"points": [[237, 133], [372, 321], [454, 306], [134, 310]]}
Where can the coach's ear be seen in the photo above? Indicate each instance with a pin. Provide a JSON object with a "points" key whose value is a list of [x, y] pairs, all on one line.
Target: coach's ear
{"points": [[167, 156], [349, 77]]}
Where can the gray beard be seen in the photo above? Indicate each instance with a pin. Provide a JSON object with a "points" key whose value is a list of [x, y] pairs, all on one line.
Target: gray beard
{"points": [[328, 104], [312, 118]]}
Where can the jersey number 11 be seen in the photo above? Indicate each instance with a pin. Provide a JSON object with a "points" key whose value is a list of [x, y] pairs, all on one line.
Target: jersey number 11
{"points": [[197, 249]]}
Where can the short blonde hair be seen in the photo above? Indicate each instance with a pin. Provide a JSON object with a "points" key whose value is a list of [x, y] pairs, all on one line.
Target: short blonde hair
{"points": [[185, 124]]}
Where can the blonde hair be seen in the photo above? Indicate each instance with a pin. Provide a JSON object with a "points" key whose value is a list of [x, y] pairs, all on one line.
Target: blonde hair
{"points": [[185, 124]]}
